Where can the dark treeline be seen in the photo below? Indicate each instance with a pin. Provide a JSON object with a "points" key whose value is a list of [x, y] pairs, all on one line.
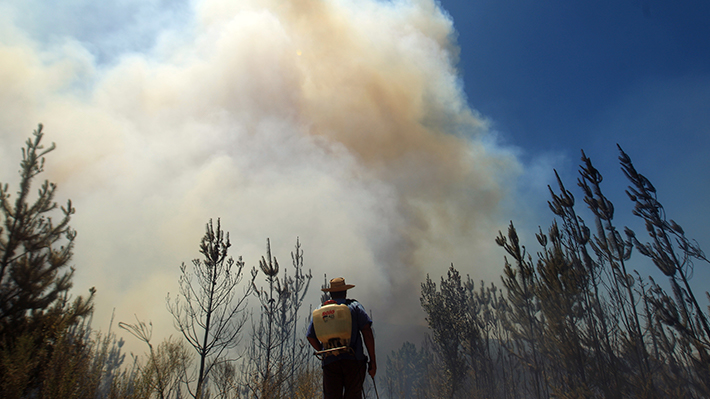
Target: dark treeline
{"points": [[572, 321]]}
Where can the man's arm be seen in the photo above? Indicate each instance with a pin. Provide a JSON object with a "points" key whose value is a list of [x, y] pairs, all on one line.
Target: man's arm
{"points": [[315, 343], [369, 340], [312, 339]]}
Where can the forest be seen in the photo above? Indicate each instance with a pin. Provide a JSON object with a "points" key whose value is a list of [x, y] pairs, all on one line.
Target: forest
{"points": [[572, 319]]}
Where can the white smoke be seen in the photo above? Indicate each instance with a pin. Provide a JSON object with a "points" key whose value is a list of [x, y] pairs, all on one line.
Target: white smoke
{"points": [[340, 122]]}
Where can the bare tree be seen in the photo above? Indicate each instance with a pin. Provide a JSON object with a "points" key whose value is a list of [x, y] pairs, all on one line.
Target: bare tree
{"points": [[165, 364], [276, 358], [208, 311]]}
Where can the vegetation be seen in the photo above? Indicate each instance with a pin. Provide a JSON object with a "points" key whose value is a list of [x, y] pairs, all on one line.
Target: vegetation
{"points": [[278, 357], [41, 328], [206, 312], [574, 320], [48, 348]]}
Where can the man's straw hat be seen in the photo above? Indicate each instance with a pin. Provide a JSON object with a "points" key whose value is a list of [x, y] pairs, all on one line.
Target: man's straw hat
{"points": [[337, 284]]}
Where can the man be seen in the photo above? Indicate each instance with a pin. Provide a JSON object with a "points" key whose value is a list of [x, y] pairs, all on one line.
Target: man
{"points": [[344, 373]]}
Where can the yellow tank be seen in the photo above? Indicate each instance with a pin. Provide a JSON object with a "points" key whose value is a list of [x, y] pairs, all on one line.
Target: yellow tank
{"points": [[333, 325]]}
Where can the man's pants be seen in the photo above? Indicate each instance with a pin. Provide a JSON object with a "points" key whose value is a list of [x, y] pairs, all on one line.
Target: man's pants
{"points": [[344, 376]]}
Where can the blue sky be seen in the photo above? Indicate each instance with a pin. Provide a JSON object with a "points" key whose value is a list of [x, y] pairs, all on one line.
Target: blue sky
{"points": [[556, 77], [550, 72], [340, 122]]}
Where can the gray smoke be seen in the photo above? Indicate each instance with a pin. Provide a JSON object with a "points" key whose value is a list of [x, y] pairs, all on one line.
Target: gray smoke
{"points": [[343, 123]]}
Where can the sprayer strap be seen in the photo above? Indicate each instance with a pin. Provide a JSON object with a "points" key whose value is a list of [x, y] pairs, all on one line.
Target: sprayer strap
{"points": [[321, 354]]}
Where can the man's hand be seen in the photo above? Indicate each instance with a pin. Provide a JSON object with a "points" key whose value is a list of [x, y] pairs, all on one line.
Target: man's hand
{"points": [[369, 339]]}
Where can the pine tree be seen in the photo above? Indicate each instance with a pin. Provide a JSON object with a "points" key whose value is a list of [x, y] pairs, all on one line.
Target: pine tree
{"points": [[35, 277], [446, 315], [522, 319]]}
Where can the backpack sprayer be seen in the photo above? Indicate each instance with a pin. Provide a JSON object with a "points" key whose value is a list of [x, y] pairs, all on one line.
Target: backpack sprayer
{"points": [[333, 327]]}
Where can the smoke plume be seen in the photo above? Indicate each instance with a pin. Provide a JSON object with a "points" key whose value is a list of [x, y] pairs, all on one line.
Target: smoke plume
{"points": [[343, 123]]}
